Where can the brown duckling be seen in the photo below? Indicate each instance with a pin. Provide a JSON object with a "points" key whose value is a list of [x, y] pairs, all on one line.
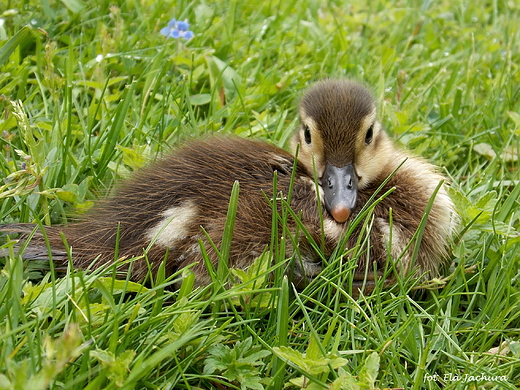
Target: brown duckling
{"points": [[169, 202], [340, 139]]}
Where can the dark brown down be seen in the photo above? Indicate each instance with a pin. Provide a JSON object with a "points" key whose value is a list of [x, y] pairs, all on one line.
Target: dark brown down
{"points": [[202, 173]]}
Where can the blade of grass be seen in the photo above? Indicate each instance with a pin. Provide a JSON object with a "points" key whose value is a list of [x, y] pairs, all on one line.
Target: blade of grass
{"points": [[282, 328], [110, 139], [21, 37], [227, 235]]}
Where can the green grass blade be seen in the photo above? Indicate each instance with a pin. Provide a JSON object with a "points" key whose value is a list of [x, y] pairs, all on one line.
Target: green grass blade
{"points": [[21, 37], [112, 136], [282, 328], [227, 236]]}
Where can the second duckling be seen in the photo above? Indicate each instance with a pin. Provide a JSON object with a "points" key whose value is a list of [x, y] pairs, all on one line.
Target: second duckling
{"points": [[171, 201]]}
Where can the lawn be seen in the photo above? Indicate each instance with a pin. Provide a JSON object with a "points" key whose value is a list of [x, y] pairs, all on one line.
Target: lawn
{"points": [[91, 90]]}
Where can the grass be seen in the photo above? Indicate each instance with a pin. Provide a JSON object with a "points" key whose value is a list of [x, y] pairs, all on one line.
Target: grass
{"points": [[90, 91]]}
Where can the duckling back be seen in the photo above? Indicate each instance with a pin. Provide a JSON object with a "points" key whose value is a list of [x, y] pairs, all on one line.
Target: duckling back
{"points": [[413, 225], [172, 201]]}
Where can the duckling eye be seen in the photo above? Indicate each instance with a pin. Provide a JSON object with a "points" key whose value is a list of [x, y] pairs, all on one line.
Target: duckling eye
{"points": [[369, 135], [307, 134]]}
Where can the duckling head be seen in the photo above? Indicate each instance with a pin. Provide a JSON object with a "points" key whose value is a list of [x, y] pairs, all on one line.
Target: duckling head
{"points": [[342, 142]]}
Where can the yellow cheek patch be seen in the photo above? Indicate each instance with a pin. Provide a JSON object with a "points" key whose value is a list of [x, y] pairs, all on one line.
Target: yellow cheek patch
{"points": [[373, 159]]}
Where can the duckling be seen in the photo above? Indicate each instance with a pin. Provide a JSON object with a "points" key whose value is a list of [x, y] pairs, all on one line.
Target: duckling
{"points": [[340, 141], [173, 200]]}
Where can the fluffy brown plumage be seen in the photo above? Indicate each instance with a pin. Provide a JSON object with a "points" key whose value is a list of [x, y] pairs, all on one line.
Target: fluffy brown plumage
{"points": [[339, 119], [169, 201]]}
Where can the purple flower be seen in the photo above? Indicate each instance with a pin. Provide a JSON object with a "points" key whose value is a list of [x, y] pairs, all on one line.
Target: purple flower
{"points": [[177, 29]]}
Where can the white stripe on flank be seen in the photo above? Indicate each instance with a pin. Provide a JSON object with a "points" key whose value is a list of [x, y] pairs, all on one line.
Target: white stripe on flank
{"points": [[174, 226]]}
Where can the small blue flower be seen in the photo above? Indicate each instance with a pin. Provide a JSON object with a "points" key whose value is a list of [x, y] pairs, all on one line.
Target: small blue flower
{"points": [[177, 29]]}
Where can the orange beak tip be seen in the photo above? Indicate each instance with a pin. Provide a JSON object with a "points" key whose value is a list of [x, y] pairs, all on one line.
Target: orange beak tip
{"points": [[340, 214]]}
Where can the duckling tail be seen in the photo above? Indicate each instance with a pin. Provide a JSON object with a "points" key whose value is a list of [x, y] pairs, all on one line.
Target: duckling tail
{"points": [[31, 243]]}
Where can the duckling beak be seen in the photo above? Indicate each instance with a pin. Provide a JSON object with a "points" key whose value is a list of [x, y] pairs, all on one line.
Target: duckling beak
{"points": [[340, 187]]}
